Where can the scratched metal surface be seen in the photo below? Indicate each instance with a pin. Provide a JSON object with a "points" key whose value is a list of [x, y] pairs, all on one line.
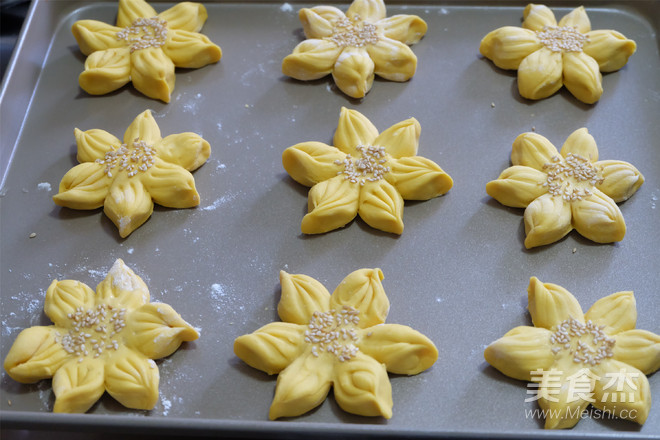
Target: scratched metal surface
{"points": [[458, 273]]}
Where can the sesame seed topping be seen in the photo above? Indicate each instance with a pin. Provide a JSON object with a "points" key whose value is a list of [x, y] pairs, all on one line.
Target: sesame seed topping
{"points": [[370, 167], [144, 33], [572, 178], [569, 336], [354, 33], [88, 334], [334, 332], [562, 39], [134, 158]]}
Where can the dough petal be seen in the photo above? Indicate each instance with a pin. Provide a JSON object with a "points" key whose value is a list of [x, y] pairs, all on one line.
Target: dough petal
{"points": [[311, 59], [144, 128], [551, 304], [582, 77], [617, 312], [610, 49], [35, 355], [402, 349], [128, 204], [84, 186], [302, 295], [381, 206], [535, 17], [508, 46], [318, 22], [187, 16], [78, 385], [170, 185], [190, 50], [93, 35], [331, 205], [562, 404], [362, 387], [598, 218], [540, 74], [94, 144], [520, 351], [106, 71], [393, 60], [273, 347], [188, 150], [532, 150], [408, 29], [156, 330], [418, 178], [622, 390], [353, 129], [64, 298], [122, 288], [517, 186], [152, 73], [400, 140], [620, 179], [363, 291], [353, 72], [578, 19], [368, 10], [301, 386], [132, 379], [131, 10], [547, 219], [638, 348], [309, 163], [580, 142]]}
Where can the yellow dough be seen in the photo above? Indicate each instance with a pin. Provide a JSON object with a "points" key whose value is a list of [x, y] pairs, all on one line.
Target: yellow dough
{"points": [[103, 341], [566, 190], [549, 55], [338, 341], [127, 177], [365, 173], [577, 358], [144, 48], [355, 46]]}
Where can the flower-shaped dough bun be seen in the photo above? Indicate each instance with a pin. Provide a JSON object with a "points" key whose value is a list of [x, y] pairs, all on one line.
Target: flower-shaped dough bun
{"points": [[355, 46], [126, 178], [577, 359], [338, 341], [103, 341], [565, 190], [548, 54], [364, 173], [144, 48]]}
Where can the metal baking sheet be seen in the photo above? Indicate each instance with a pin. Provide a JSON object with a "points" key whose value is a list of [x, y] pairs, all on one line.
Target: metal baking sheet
{"points": [[458, 273]]}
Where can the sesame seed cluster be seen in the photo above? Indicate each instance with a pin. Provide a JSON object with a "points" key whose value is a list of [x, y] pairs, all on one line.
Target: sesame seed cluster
{"points": [[568, 336], [370, 167], [93, 331], [572, 178], [334, 332], [138, 157], [354, 33], [562, 38], [144, 33]]}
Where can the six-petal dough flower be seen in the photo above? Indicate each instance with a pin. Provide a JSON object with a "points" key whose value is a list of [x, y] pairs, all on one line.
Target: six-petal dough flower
{"points": [[355, 46], [127, 178], [144, 48], [565, 190], [337, 340], [596, 357], [364, 173], [548, 55], [103, 341]]}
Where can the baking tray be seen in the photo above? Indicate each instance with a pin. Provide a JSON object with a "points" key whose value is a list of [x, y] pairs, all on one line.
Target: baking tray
{"points": [[458, 273]]}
